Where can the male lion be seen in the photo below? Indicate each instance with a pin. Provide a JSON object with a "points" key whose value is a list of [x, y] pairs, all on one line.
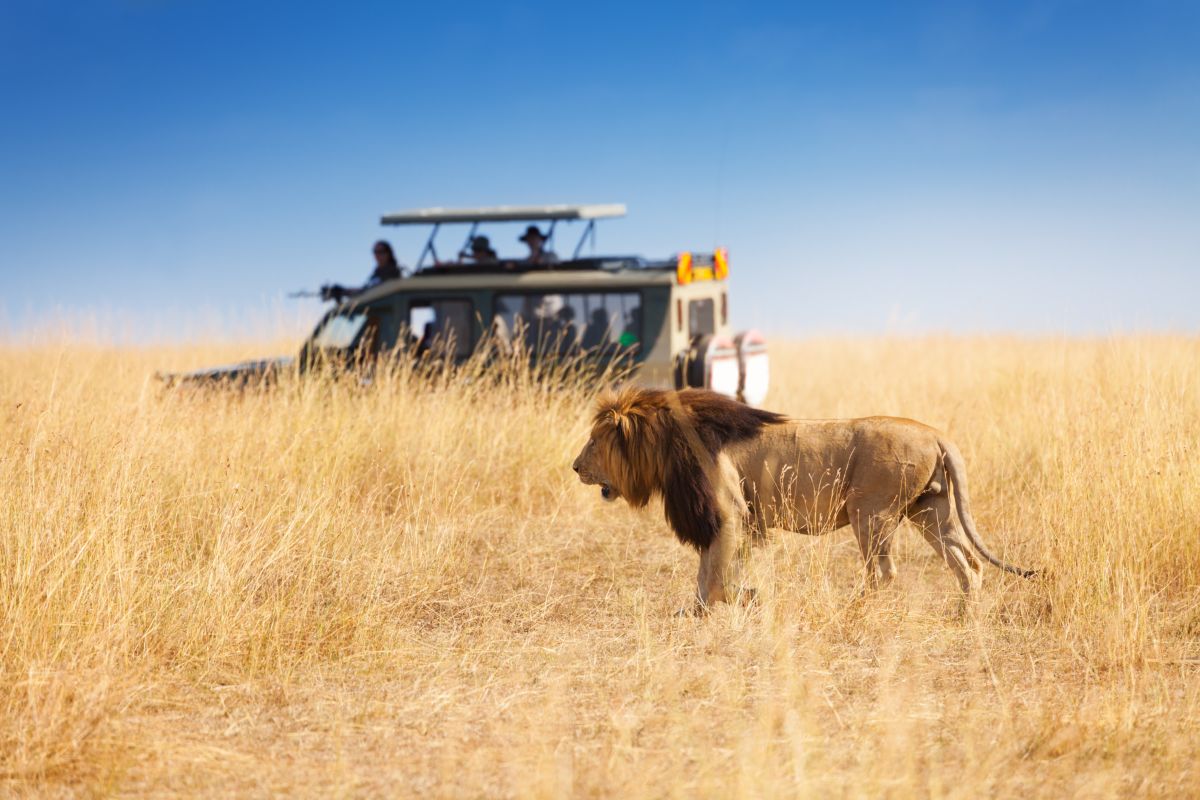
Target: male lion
{"points": [[723, 468]]}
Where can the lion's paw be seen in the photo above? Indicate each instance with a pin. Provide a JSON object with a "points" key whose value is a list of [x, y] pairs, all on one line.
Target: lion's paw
{"points": [[697, 609]]}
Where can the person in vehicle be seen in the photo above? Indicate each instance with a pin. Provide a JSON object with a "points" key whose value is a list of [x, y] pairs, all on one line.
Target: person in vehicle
{"points": [[387, 268], [596, 332], [536, 241], [568, 333], [633, 329], [426, 343], [481, 252]]}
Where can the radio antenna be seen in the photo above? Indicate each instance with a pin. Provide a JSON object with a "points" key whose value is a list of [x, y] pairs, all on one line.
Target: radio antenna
{"points": [[720, 187]]}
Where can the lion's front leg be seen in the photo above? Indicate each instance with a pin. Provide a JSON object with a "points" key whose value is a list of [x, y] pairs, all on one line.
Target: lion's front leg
{"points": [[699, 604], [716, 571], [703, 599], [716, 580]]}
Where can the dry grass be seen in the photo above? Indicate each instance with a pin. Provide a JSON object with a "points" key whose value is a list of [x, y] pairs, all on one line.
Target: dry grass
{"points": [[402, 590]]}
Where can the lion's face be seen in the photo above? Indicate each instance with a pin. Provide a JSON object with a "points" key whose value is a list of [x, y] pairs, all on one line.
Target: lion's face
{"points": [[592, 467], [623, 455]]}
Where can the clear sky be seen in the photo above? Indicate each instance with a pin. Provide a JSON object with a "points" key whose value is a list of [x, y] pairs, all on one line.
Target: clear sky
{"points": [[946, 166]]}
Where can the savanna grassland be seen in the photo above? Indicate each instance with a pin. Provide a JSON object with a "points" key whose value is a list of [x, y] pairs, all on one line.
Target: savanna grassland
{"points": [[402, 589]]}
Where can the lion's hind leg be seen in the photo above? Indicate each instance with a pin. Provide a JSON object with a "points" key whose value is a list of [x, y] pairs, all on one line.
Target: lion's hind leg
{"points": [[874, 526], [934, 517]]}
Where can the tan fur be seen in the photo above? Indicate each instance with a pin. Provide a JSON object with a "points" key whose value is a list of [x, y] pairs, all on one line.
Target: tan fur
{"points": [[724, 470]]}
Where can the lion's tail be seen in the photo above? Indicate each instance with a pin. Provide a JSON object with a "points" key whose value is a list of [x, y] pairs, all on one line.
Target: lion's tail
{"points": [[957, 471]]}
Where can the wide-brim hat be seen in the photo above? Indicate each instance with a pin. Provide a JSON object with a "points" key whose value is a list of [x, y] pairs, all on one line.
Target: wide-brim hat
{"points": [[530, 232]]}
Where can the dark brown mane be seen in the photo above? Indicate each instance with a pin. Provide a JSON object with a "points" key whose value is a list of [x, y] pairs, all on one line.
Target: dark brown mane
{"points": [[720, 421], [669, 443]]}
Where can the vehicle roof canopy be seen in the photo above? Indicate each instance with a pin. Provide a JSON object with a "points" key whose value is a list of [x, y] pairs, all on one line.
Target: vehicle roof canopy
{"points": [[426, 216]]}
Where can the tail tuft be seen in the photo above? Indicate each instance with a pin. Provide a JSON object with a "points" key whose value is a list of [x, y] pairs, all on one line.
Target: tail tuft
{"points": [[957, 473]]}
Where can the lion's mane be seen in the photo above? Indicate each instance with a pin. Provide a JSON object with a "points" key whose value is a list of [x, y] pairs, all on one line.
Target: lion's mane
{"points": [[665, 443]]}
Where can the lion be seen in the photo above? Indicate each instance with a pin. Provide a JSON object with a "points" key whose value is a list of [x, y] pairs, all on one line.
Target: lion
{"points": [[724, 470]]}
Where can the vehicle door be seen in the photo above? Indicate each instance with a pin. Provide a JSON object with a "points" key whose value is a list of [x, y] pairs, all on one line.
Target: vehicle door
{"points": [[441, 325]]}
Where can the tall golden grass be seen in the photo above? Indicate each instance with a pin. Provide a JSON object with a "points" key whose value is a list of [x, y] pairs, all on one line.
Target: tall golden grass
{"points": [[401, 589]]}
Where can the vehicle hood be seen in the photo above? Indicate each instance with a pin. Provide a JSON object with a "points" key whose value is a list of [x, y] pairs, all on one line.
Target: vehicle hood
{"points": [[238, 374]]}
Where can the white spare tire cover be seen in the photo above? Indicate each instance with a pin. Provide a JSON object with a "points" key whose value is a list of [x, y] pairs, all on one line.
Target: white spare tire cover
{"points": [[753, 367], [712, 363]]}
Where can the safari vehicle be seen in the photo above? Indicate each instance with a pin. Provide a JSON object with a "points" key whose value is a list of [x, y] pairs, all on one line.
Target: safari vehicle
{"points": [[668, 318]]}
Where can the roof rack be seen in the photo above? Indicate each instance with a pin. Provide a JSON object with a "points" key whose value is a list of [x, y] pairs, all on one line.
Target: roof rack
{"points": [[552, 213], [434, 216], [592, 264]]}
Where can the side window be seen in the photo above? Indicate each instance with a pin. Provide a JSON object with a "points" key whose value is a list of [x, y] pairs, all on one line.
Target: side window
{"points": [[701, 317], [613, 319], [544, 323], [568, 323], [442, 326]]}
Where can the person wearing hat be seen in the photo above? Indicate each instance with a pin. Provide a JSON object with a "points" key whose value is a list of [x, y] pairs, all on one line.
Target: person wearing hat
{"points": [[536, 240], [481, 251]]}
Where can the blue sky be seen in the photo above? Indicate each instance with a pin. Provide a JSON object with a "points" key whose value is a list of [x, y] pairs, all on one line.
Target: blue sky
{"points": [[1010, 166]]}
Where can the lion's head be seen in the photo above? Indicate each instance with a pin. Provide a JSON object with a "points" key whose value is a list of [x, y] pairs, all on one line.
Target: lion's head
{"points": [[615, 454], [645, 442]]}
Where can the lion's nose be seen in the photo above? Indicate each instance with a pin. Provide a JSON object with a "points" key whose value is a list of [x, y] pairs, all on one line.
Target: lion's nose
{"points": [[575, 466]]}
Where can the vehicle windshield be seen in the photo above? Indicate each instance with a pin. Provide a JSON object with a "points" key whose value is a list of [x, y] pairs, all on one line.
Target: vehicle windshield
{"points": [[339, 330]]}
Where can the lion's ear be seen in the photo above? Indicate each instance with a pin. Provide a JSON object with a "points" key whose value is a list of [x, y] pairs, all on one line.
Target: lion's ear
{"points": [[625, 425]]}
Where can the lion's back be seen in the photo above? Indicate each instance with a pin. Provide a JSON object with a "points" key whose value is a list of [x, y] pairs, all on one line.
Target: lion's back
{"points": [[895, 429], [842, 450]]}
